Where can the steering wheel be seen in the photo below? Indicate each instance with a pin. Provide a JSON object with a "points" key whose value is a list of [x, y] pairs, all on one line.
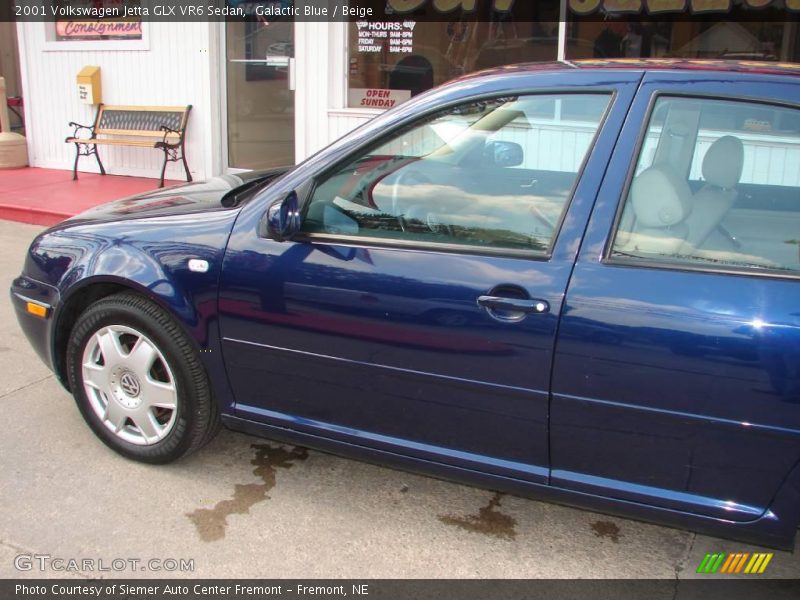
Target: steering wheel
{"points": [[538, 214], [432, 221], [406, 176]]}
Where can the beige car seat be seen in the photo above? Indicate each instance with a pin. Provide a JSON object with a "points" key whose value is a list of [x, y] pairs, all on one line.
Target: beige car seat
{"points": [[722, 169], [653, 219]]}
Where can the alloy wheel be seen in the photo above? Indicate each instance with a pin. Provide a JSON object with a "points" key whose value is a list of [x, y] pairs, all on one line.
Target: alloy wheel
{"points": [[130, 385]]}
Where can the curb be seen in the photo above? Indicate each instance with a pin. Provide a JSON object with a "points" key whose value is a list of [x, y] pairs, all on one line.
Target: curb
{"points": [[30, 215]]}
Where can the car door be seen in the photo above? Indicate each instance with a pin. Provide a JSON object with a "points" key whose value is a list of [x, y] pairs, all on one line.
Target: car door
{"points": [[676, 380], [416, 311]]}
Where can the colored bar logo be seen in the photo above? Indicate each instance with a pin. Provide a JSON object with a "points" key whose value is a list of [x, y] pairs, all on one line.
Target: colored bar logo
{"points": [[735, 563]]}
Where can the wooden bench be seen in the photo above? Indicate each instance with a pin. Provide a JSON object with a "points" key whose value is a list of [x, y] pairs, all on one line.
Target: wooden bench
{"points": [[145, 123]]}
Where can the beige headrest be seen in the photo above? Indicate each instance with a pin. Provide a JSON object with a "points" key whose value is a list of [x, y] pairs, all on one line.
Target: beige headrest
{"points": [[660, 198], [722, 165]]}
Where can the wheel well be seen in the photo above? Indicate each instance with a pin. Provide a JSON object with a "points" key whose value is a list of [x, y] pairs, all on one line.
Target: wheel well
{"points": [[69, 314]]}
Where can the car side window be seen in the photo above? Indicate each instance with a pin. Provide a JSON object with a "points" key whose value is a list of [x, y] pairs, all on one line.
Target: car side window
{"points": [[717, 185], [495, 174]]}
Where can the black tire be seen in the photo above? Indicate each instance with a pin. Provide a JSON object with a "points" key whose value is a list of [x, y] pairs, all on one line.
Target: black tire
{"points": [[196, 419]]}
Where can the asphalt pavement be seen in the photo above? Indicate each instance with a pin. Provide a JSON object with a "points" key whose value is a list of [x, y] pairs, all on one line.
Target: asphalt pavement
{"points": [[247, 507]]}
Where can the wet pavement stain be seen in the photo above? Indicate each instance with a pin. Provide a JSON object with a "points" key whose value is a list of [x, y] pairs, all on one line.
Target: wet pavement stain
{"points": [[211, 522], [488, 521], [606, 529]]}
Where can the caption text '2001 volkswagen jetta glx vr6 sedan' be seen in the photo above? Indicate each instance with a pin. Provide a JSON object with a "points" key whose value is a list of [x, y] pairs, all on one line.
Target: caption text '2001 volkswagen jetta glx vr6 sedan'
{"points": [[573, 281]]}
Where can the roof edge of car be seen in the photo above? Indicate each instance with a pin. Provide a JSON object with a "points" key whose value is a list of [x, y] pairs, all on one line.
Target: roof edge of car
{"points": [[646, 64]]}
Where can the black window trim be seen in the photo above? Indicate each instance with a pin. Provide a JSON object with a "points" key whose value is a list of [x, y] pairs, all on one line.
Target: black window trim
{"points": [[608, 258], [467, 249]]}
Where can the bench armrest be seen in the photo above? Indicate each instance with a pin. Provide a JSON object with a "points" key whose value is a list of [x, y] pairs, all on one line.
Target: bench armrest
{"points": [[167, 131], [78, 127]]}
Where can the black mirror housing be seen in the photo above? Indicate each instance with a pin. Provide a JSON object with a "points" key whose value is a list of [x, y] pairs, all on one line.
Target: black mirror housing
{"points": [[283, 218]]}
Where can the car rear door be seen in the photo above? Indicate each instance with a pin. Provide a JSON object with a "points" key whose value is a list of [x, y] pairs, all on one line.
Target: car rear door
{"points": [[417, 311], [676, 379]]}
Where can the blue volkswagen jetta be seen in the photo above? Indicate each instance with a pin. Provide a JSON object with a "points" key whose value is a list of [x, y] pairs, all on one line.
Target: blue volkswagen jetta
{"points": [[572, 281]]}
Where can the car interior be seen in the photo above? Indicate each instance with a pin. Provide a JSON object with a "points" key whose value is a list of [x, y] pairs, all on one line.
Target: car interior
{"points": [[479, 176], [717, 183]]}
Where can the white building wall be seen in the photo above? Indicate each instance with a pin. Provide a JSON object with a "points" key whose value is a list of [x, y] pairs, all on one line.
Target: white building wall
{"points": [[176, 68], [313, 82], [321, 86], [343, 120]]}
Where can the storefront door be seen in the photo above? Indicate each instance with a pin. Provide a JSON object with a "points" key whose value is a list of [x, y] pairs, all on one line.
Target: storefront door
{"points": [[260, 97]]}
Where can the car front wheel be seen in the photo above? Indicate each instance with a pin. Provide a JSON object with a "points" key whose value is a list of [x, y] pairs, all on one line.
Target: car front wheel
{"points": [[138, 381]]}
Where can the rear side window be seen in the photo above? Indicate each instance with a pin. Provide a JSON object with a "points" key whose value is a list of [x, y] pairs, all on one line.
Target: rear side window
{"points": [[717, 184], [492, 174]]}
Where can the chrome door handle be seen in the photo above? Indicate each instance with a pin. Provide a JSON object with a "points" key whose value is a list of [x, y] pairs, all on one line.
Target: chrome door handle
{"points": [[513, 305]]}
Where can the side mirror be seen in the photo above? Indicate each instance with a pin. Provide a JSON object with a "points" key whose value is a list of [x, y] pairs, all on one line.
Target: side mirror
{"points": [[283, 218], [503, 154]]}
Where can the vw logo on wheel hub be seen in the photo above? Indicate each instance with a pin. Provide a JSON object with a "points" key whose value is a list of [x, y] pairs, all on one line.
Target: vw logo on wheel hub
{"points": [[130, 385], [126, 388]]}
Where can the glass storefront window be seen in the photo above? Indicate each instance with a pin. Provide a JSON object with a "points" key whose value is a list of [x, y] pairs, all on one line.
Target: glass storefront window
{"points": [[729, 35], [389, 63]]}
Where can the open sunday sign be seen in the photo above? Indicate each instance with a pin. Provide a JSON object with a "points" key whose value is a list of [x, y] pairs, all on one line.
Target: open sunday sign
{"points": [[377, 98]]}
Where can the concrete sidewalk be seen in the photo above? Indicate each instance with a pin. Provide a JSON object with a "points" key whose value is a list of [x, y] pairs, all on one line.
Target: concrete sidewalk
{"points": [[48, 196]]}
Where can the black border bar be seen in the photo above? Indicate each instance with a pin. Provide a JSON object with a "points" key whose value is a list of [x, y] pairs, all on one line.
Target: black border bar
{"points": [[417, 10], [744, 588]]}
